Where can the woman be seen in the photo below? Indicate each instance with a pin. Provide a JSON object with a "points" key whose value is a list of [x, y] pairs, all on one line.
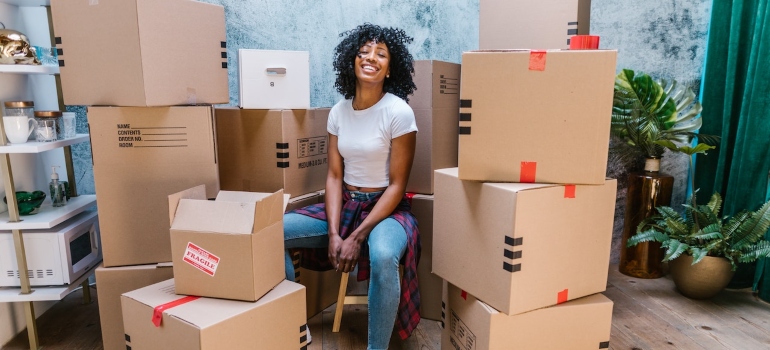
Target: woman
{"points": [[366, 219]]}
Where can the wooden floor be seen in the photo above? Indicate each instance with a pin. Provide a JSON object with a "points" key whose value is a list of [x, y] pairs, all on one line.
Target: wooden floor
{"points": [[648, 314]]}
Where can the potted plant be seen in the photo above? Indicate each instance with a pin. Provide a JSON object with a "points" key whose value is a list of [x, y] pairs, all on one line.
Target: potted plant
{"points": [[647, 118], [703, 248]]}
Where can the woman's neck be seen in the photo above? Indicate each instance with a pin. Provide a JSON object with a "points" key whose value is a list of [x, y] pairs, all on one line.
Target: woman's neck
{"points": [[367, 97]]}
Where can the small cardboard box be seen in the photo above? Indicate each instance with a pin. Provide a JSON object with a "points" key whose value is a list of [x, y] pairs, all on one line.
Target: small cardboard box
{"points": [[141, 155], [430, 285], [114, 281], [531, 24], [141, 52], [229, 248], [528, 116], [583, 323], [275, 321], [520, 247], [274, 79], [322, 286], [435, 104], [264, 150]]}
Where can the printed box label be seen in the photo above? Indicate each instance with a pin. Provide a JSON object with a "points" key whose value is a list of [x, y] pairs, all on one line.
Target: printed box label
{"points": [[460, 336], [201, 259]]}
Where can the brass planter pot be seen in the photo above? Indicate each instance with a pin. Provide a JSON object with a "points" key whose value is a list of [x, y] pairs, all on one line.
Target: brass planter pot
{"points": [[703, 280]]}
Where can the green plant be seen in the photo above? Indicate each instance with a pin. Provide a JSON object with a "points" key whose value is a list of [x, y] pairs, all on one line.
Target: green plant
{"points": [[702, 232], [649, 116]]}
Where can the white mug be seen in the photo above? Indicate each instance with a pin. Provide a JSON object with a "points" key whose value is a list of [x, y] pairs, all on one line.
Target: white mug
{"points": [[18, 129]]}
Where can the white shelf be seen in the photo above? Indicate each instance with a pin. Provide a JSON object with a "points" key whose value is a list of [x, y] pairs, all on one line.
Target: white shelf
{"points": [[28, 2], [13, 294], [38, 147], [28, 69], [49, 216]]}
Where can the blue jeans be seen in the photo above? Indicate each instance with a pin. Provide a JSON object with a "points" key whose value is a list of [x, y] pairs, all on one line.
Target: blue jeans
{"points": [[387, 243]]}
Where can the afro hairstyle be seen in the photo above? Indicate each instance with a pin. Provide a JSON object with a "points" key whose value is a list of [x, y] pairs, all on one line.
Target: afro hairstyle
{"points": [[401, 62]]}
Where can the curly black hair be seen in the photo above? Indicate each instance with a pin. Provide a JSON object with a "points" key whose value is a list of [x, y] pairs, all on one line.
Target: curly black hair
{"points": [[401, 62]]}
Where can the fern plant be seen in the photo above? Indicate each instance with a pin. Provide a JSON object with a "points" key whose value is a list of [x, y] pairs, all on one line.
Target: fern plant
{"points": [[701, 232]]}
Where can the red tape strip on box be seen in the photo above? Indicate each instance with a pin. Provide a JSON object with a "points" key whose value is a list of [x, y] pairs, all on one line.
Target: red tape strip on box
{"points": [[528, 172], [464, 294], [562, 296], [157, 313], [569, 191], [409, 196], [537, 60]]}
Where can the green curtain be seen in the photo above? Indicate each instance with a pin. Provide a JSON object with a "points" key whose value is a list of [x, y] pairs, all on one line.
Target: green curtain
{"points": [[736, 106]]}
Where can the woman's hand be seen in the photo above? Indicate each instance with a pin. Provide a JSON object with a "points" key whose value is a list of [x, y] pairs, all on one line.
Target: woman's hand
{"points": [[348, 254], [335, 244]]}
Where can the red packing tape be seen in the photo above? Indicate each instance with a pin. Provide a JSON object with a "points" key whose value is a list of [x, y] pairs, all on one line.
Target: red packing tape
{"points": [[528, 172], [562, 296], [464, 294], [537, 60], [157, 313], [409, 196], [569, 191]]}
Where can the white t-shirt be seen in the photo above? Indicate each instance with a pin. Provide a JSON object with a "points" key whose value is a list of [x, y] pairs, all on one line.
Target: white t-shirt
{"points": [[364, 137]]}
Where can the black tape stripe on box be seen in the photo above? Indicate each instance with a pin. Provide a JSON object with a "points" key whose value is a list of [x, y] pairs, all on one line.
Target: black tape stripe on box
{"points": [[283, 164], [61, 63], [224, 54], [302, 339], [303, 348], [284, 145], [604, 345], [128, 347], [465, 117], [224, 65], [465, 130], [572, 23], [511, 254], [303, 327], [57, 40], [443, 305], [511, 268], [466, 103], [282, 155], [223, 44], [571, 31], [59, 52], [514, 241], [128, 337]]}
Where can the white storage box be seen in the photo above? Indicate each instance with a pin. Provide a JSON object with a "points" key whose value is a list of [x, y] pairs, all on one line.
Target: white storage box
{"points": [[272, 79], [55, 256]]}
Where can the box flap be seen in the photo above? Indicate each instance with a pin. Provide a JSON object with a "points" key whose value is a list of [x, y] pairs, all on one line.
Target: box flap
{"points": [[214, 216], [197, 192], [269, 210], [236, 196]]}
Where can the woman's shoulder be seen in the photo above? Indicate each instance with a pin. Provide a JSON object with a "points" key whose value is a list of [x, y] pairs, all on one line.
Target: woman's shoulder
{"points": [[397, 104], [342, 105]]}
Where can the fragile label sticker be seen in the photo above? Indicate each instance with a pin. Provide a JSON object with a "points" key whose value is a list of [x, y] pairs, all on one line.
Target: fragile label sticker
{"points": [[201, 259], [460, 336]]}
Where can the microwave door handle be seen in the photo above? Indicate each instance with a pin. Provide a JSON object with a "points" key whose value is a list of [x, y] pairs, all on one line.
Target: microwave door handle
{"points": [[94, 241]]}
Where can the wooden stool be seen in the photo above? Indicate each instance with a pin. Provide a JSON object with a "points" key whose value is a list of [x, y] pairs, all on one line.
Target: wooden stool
{"points": [[344, 299]]}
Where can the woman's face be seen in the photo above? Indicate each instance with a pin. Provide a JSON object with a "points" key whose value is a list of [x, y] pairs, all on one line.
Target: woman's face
{"points": [[372, 63]]}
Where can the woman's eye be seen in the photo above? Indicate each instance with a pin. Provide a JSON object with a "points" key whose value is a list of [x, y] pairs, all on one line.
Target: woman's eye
{"points": [[362, 53], [381, 55]]}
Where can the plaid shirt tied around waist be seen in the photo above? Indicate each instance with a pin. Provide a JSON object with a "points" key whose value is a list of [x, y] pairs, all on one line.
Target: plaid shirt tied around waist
{"points": [[353, 213]]}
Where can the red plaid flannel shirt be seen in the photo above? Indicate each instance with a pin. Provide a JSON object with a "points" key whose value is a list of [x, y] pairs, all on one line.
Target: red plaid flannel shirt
{"points": [[353, 213]]}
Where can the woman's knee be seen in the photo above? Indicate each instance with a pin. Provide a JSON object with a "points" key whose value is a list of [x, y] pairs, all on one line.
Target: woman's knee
{"points": [[387, 243]]}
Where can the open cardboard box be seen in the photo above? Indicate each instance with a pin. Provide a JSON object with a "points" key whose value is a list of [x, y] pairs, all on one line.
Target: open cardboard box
{"points": [[229, 248]]}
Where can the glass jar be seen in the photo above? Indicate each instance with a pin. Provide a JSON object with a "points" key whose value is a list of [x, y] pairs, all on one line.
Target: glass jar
{"points": [[50, 126], [19, 109]]}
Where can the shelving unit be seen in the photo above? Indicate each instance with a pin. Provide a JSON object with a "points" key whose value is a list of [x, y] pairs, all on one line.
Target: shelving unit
{"points": [[41, 84]]}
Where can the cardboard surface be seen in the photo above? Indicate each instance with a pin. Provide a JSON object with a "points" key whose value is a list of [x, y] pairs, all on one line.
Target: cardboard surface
{"points": [[142, 155], [267, 150], [229, 248], [430, 285], [141, 52], [114, 281], [520, 247], [276, 321], [522, 124], [274, 79], [435, 104], [531, 24], [471, 324]]}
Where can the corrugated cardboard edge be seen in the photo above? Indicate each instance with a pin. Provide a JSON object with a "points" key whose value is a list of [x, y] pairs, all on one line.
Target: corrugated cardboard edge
{"points": [[197, 192]]}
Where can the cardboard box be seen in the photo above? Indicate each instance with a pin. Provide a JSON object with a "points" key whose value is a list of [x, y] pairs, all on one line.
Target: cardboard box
{"points": [[435, 104], [229, 248], [519, 123], [430, 285], [114, 281], [276, 321], [520, 247], [267, 150], [142, 155], [322, 286], [471, 324], [531, 24], [141, 52], [274, 79]]}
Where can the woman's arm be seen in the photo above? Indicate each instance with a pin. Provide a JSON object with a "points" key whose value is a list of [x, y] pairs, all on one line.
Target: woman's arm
{"points": [[333, 198], [401, 156]]}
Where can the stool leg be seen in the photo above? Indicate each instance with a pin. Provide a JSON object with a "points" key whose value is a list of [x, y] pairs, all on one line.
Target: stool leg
{"points": [[340, 302]]}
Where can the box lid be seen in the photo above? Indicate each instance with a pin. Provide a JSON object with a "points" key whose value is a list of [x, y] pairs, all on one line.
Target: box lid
{"points": [[204, 312], [232, 212]]}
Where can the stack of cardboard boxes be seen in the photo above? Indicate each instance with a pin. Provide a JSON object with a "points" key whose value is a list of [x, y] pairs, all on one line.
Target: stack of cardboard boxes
{"points": [[522, 227]]}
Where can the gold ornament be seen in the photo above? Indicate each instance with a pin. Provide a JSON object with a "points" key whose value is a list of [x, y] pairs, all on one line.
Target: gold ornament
{"points": [[15, 48]]}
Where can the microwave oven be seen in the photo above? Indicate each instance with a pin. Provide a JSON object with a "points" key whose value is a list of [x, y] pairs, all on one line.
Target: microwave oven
{"points": [[55, 256]]}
